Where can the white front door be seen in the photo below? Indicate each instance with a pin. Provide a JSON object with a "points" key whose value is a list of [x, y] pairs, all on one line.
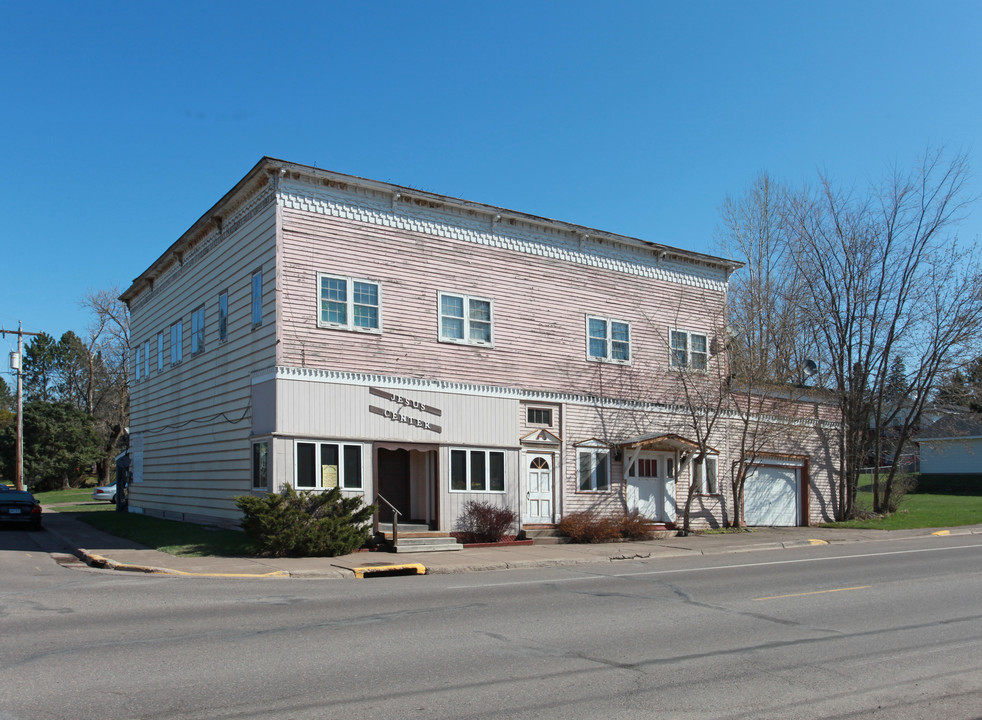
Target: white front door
{"points": [[538, 489], [646, 487]]}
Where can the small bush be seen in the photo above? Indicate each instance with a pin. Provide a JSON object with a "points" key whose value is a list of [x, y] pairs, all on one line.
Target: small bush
{"points": [[588, 527], [483, 522], [634, 526], [305, 524], [902, 485]]}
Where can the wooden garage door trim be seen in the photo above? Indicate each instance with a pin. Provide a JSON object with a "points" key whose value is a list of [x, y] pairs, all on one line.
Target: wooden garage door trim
{"points": [[803, 468]]}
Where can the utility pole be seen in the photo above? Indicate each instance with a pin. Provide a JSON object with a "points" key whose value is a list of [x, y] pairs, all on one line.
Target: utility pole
{"points": [[17, 363]]}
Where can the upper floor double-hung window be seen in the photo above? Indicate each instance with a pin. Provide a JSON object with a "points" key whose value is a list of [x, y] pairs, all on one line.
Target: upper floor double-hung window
{"points": [[689, 350], [177, 342], [349, 303], [223, 316], [198, 330], [608, 340], [257, 298], [466, 320]]}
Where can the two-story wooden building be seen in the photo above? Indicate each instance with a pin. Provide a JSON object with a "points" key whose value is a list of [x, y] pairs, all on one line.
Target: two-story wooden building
{"points": [[315, 329]]}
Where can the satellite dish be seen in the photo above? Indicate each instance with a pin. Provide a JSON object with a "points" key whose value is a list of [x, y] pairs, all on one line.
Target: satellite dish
{"points": [[810, 368]]}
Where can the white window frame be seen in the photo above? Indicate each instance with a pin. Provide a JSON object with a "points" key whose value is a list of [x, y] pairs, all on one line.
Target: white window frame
{"points": [[469, 453], [223, 316], [177, 342], [673, 350], [349, 304], [342, 480], [146, 359], [703, 482], [608, 340], [594, 454], [262, 472], [160, 351], [466, 300], [257, 297], [198, 330]]}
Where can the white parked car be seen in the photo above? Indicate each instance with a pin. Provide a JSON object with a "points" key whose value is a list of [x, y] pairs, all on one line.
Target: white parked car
{"points": [[106, 492]]}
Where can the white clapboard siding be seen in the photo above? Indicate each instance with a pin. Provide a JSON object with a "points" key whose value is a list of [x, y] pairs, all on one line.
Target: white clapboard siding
{"points": [[195, 418]]}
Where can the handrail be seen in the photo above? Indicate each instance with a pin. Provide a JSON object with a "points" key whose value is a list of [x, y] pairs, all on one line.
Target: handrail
{"points": [[395, 518]]}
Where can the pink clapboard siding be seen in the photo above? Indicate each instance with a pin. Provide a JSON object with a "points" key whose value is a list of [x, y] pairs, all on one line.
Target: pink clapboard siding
{"points": [[540, 306]]}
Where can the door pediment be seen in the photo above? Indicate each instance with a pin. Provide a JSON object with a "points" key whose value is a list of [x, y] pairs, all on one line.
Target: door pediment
{"points": [[538, 438]]}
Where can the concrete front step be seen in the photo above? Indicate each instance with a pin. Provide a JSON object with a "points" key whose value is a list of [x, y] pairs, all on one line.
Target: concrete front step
{"points": [[545, 535], [429, 543]]}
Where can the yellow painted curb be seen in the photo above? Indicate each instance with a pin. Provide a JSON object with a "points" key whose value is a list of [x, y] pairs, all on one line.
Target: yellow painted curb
{"points": [[360, 571], [818, 542], [942, 532]]}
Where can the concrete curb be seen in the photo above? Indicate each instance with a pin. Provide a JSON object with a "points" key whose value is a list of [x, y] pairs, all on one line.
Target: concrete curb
{"points": [[616, 554]]}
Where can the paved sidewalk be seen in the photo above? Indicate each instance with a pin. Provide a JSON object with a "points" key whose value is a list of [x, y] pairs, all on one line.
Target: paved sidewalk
{"points": [[100, 549]]}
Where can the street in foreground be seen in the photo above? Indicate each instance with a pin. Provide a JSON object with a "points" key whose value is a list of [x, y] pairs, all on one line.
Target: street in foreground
{"points": [[885, 630]]}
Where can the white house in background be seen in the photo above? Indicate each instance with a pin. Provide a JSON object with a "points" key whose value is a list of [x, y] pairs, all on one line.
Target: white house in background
{"points": [[952, 446], [315, 329]]}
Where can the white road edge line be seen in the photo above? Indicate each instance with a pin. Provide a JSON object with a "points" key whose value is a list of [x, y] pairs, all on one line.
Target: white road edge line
{"points": [[601, 576]]}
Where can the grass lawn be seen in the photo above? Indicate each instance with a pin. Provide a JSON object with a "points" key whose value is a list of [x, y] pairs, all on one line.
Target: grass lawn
{"points": [[921, 511], [169, 536], [72, 495]]}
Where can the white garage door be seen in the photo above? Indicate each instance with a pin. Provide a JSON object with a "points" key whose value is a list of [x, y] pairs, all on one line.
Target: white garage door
{"points": [[770, 496]]}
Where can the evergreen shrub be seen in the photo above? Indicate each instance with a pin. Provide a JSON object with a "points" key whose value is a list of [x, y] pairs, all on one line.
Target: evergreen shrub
{"points": [[306, 523]]}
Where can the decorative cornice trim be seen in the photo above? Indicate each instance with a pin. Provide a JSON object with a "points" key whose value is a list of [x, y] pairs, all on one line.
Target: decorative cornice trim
{"points": [[518, 235], [336, 377]]}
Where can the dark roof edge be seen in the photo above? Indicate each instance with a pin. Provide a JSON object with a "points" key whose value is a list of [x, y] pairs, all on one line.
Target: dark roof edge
{"points": [[270, 164]]}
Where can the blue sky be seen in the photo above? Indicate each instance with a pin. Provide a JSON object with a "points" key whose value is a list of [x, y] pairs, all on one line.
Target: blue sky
{"points": [[124, 121]]}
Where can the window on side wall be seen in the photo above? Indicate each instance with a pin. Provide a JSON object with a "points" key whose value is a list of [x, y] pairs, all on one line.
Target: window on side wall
{"points": [[137, 365], [349, 303], [257, 298], [688, 350], [198, 330], [466, 320], [477, 471], [260, 465], [594, 469], [160, 351], [146, 359], [704, 476], [177, 342], [328, 465], [608, 340], [223, 317]]}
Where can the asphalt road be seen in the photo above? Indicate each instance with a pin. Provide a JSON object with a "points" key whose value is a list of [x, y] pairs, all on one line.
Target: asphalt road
{"points": [[882, 630]]}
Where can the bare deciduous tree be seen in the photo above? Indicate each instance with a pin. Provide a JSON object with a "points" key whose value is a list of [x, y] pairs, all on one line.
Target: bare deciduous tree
{"points": [[876, 276], [766, 350], [107, 391]]}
